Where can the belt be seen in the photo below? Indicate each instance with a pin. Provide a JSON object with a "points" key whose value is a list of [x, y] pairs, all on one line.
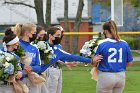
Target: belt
{"points": [[111, 71], [55, 67]]}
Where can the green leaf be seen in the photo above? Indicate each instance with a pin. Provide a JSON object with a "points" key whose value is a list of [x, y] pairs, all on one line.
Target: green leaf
{"points": [[20, 51], [46, 59], [1, 72]]}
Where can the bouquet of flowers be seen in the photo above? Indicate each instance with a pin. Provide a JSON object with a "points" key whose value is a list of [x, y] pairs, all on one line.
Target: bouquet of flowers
{"points": [[9, 66], [45, 51], [26, 59], [89, 47], [88, 50]]}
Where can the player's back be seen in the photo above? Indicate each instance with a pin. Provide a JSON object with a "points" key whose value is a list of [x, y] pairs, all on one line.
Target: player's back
{"points": [[115, 55]]}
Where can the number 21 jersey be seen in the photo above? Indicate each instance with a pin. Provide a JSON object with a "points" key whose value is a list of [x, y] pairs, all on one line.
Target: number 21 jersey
{"points": [[115, 55]]}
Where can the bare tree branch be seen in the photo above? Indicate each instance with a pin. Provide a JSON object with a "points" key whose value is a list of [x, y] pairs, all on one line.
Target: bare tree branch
{"points": [[19, 3]]}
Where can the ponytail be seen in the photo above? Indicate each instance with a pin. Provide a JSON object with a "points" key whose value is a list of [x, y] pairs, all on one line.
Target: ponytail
{"points": [[112, 28], [20, 29], [114, 31], [17, 29]]}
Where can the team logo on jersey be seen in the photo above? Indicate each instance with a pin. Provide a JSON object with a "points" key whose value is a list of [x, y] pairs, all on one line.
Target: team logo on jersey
{"points": [[33, 55]]}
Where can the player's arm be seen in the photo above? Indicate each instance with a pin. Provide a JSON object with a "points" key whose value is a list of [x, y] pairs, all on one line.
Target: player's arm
{"points": [[129, 57]]}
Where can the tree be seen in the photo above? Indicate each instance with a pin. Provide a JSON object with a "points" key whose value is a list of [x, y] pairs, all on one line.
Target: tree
{"points": [[135, 3], [48, 13], [38, 6], [77, 24], [39, 11], [66, 25]]}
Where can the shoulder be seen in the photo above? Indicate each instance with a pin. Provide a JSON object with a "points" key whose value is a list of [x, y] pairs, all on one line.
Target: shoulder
{"points": [[106, 41], [58, 46], [34, 47], [124, 43]]}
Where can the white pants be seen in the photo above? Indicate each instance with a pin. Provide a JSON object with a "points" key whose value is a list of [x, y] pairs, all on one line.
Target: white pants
{"points": [[54, 80], [110, 82], [43, 88], [32, 88], [7, 89]]}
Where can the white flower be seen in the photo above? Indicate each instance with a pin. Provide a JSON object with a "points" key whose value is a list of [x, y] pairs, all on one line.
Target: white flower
{"points": [[92, 41], [1, 58], [90, 44], [89, 53], [41, 45], [46, 51], [86, 47], [86, 42], [8, 56], [52, 51], [83, 51], [8, 59], [6, 64]]}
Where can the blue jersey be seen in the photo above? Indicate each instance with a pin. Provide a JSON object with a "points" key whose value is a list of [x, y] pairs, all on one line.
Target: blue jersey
{"points": [[36, 63], [115, 55], [58, 46], [60, 54]]}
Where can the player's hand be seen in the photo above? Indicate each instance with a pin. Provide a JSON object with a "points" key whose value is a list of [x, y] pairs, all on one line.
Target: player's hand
{"points": [[96, 59], [71, 64], [28, 68], [18, 75]]}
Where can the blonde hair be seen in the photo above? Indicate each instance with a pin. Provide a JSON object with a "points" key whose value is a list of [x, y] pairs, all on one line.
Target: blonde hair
{"points": [[20, 29], [112, 28]]}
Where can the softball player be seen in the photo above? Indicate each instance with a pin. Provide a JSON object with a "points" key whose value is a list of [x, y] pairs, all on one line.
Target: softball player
{"points": [[116, 57], [27, 32], [10, 44]]}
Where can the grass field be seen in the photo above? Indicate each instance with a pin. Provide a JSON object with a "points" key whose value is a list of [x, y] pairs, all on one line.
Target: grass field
{"points": [[79, 80]]}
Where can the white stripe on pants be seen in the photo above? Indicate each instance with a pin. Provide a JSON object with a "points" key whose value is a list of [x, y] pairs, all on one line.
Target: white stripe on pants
{"points": [[7, 89], [109, 82], [54, 80]]}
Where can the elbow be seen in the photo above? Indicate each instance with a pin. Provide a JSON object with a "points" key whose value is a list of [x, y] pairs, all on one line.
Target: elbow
{"points": [[129, 64]]}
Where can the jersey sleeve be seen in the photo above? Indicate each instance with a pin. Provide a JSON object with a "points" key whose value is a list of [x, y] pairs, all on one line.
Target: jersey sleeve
{"points": [[59, 46], [129, 55], [64, 56], [37, 66]]}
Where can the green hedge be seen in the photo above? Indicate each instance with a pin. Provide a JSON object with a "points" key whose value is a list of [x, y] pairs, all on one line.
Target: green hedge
{"points": [[134, 42]]}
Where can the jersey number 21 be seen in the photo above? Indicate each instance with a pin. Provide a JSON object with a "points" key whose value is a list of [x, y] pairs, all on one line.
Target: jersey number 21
{"points": [[111, 57]]}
